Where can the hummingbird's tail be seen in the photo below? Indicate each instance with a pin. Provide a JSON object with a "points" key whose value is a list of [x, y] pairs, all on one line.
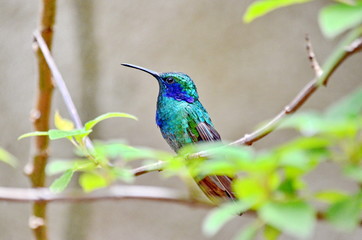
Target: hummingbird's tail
{"points": [[217, 188]]}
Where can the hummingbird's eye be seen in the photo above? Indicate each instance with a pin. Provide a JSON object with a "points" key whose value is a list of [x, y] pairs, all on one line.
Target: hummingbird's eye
{"points": [[170, 80]]}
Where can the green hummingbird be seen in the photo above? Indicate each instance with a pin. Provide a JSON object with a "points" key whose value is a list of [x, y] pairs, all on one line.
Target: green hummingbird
{"points": [[183, 120]]}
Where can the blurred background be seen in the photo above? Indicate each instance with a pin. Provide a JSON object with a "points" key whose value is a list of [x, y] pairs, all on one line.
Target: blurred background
{"points": [[245, 75]]}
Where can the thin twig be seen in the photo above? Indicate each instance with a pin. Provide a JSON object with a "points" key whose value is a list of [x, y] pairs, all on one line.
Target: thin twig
{"points": [[60, 83], [312, 58], [148, 168]]}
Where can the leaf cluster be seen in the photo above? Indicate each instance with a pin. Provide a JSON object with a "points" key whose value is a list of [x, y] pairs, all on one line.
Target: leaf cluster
{"points": [[272, 182], [334, 19]]}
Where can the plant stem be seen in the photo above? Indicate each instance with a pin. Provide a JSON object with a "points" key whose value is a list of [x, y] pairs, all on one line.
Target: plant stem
{"points": [[35, 169]]}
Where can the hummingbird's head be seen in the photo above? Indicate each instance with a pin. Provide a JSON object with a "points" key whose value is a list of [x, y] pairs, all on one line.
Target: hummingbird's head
{"points": [[173, 84]]}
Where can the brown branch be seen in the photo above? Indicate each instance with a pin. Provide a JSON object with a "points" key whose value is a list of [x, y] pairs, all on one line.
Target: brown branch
{"points": [[148, 168], [44, 195], [35, 169], [148, 193]]}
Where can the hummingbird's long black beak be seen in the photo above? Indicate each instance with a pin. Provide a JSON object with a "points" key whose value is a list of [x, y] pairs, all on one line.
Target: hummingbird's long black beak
{"points": [[153, 73]]}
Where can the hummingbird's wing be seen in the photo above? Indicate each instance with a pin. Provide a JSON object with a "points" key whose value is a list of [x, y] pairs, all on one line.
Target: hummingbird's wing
{"points": [[207, 132], [216, 187]]}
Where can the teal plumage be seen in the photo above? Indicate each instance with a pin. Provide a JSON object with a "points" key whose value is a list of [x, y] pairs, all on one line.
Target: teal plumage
{"points": [[183, 120]]}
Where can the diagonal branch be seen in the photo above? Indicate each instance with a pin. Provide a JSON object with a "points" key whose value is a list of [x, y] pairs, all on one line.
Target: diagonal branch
{"points": [[332, 63], [60, 83]]}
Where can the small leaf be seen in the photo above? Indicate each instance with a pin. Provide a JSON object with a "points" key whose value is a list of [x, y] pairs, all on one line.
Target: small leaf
{"points": [[348, 107], [354, 172], [271, 233], [220, 216], [92, 181], [345, 214], [32, 134], [89, 125], [337, 18], [57, 134], [123, 174], [330, 196], [58, 166], [7, 157], [249, 232], [293, 217], [308, 123], [262, 7], [62, 123], [250, 188], [62, 182]]}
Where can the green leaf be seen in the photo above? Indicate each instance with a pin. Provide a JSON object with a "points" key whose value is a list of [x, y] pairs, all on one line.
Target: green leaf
{"points": [[92, 181], [218, 167], [337, 18], [345, 214], [58, 134], [90, 124], [354, 172], [250, 188], [62, 182], [7, 157], [33, 134], [288, 186], [249, 232], [330, 196], [62, 123], [348, 107], [58, 166], [217, 218], [293, 217], [123, 174], [308, 123], [271, 233], [262, 7]]}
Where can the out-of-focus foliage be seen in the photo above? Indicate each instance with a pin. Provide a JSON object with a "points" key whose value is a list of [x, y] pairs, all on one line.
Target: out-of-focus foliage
{"points": [[7, 158], [337, 18], [272, 180], [262, 7], [334, 19]]}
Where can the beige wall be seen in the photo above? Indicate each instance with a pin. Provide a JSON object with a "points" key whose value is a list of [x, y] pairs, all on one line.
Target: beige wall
{"points": [[245, 74]]}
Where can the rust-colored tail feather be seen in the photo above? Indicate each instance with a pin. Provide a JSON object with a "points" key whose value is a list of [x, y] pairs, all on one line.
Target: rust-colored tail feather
{"points": [[217, 188]]}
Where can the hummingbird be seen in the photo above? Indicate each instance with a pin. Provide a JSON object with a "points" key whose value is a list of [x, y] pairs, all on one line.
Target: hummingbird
{"points": [[183, 120]]}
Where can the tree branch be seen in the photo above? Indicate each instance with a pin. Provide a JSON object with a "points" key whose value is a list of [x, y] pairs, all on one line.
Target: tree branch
{"points": [[44, 195], [35, 169], [148, 193]]}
